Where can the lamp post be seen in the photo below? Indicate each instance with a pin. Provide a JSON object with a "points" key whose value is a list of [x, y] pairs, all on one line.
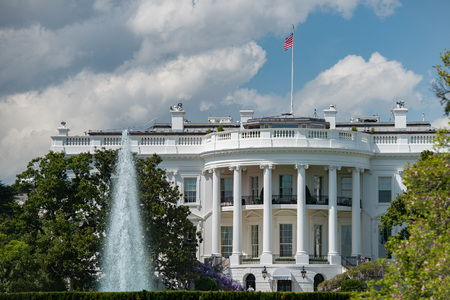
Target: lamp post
{"points": [[264, 272], [303, 272]]}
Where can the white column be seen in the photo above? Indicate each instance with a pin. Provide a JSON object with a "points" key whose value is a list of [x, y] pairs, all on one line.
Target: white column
{"points": [[301, 257], [356, 212], [215, 247], [267, 255], [237, 216], [333, 256]]}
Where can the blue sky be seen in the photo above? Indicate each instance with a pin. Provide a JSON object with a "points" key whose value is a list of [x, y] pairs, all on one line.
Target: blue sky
{"points": [[112, 64]]}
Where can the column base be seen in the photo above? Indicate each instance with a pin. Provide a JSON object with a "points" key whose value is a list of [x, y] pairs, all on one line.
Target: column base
{"points": [[334, 259], [235, 259], [301, 258], [266, 259]]}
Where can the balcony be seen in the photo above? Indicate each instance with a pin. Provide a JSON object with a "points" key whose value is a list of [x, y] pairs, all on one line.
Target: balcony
{"points": [[147, 143], [290, 199]]}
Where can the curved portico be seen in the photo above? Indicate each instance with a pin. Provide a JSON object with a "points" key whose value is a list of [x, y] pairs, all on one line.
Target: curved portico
{"points": [[297, 170]]}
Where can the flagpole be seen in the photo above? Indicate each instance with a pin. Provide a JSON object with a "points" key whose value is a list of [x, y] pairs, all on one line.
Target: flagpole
{"points": [[292, 73]]}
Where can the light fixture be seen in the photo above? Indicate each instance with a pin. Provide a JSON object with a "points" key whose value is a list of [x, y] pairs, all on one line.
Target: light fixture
{"points": [[303, 272], [264, 272]]}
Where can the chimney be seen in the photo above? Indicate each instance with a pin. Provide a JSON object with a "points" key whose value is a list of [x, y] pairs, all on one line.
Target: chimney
{"points": [[330, 116], [245, 116], [177, 114], [63, 130], [400, 115]]}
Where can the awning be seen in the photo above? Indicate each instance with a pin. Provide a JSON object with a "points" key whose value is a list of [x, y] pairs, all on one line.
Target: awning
{"points": [[282, 274]]}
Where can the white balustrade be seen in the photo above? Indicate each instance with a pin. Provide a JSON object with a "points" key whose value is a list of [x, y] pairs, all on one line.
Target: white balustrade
{"points": [[242, 139]]}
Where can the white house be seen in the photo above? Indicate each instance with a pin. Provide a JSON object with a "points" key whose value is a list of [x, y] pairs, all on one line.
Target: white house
{"points": [[282, 202]]}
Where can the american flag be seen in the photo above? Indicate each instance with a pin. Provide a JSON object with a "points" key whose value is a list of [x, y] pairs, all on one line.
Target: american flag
{"points": [[288, 42]]}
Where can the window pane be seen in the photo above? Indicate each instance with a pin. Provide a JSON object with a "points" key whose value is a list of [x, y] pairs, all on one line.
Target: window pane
{"points": [[255, 241], [384, 189], [346, 187], [227, 240], [285, 185], [190, 190], [286, 240]]}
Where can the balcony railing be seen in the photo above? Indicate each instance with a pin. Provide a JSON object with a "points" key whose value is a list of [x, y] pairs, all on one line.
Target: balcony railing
{"points": [[291, 199], [284, 199], [146, 143], [318, 259], [277, 259], [249, 260]]}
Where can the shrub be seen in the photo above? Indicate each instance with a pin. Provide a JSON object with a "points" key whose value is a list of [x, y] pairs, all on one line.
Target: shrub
{"points": [[350, 285], [206, 284]]}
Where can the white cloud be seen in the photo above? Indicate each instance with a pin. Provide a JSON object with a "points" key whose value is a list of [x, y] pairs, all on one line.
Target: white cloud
{"points": [[250, 98], [357, 86], [111, 64], [441, 123], [383, 8]]}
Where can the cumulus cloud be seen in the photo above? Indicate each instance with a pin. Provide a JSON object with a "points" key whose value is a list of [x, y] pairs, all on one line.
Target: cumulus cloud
{"points": [[112, 64], [357, 86]]}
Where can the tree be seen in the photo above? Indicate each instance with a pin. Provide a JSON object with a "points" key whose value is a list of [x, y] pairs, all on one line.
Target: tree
{"points": [[441, 87], [421, 266], [63, 218], [172, 237], [62, 223]]}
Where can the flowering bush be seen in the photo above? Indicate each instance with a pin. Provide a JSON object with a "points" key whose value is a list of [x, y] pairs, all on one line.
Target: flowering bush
{"points": [[224, 282], [364, 272]]}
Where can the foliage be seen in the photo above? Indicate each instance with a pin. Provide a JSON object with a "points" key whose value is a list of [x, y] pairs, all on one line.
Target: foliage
{"points": [[7, 199], [350, 285], [421, 268], [58, 232], [62, 219], [441, 87], [363, 273], [206, 284], [172, 236], [220, 128], [224, 282], [169, 295]]}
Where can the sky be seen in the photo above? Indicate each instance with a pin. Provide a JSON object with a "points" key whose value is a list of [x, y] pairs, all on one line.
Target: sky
{"points": [[112, 64]]}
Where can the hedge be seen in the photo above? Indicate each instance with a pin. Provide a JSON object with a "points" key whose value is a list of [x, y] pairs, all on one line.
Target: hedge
{"points": [[178, 295]]}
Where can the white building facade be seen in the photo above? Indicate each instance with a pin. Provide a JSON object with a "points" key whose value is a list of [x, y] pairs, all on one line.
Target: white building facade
{"points": [[282, 202]]}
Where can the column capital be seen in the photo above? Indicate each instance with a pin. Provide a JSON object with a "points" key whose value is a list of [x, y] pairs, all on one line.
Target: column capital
{"points": [[301, 166], [267, 166], [356, 170], [173, 172], [236, 167], [332, 167]]}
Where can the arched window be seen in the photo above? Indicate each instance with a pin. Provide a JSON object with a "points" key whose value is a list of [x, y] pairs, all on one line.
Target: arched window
{"points": [[317, 280], [250, 280]]}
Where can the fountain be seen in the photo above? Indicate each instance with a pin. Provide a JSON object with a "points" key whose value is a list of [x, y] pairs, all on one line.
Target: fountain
{"points": [[125, 263]]}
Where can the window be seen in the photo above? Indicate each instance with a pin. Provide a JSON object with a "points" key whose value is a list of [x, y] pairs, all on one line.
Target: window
{"points": [[383, 238], [346, 240], [255, 187], [384, 189], [285, 240], [317, 192], [285, 185], [226, 190], [227, 241], [190, 190], [346, 187], [255, 241], [284, 286], [317, 240]]}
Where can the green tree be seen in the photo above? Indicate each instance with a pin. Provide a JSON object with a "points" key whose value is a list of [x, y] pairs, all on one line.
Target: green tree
{"points": [[172, 237], [63, 217], [421, 266], [441, 86]]}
